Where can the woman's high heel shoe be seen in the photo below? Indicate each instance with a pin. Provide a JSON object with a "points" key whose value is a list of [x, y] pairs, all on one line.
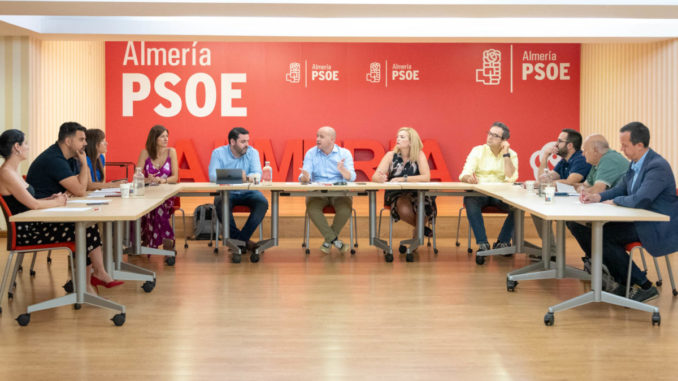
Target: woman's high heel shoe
{"points": [[98, 282]]}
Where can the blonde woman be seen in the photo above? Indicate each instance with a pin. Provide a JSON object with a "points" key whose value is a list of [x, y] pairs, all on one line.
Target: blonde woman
{"points": [[406, 163]]}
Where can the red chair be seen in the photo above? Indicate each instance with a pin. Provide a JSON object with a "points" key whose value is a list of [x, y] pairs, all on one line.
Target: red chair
{"points": [[639, 247], [13, 248], [329, 209]]}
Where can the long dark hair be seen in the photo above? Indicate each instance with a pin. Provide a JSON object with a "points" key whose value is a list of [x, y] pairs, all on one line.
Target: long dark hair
{"points": [[94, 137], [151, 146], [7, 141]]}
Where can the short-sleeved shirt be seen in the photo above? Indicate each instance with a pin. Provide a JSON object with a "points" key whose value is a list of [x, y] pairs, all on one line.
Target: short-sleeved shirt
{"points": [[96, 175], [610, 169], [488, 167], [50, 167], [323, 167], [576, 164]]}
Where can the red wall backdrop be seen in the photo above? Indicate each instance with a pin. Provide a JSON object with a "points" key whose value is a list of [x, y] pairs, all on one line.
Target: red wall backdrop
{"points": [[450, 93]]}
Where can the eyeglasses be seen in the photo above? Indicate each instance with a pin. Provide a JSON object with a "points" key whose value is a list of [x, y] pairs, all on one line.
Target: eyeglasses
{"points": [[562, 141], [492, 134]]}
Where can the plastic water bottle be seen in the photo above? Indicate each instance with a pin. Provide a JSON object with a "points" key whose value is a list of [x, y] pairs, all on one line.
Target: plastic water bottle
{"points": [[267, 173], [138, 183]]}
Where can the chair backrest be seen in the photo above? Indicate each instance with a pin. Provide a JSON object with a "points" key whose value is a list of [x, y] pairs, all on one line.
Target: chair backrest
{"points": [[11, 228]]}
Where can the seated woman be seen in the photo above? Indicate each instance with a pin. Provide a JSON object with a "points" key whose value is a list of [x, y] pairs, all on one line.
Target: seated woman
{"points": [[97, 146], [19, 197], [159, 163], [407, 162]]}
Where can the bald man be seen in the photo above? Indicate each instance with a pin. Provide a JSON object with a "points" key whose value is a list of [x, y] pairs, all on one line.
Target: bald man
{"points": [[608, 169], [328, 163], [608, 165]]}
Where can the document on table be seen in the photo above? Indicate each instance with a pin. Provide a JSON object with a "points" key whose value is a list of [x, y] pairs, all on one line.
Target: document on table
{"points": [[565, 188], [90, 202], [107, 192], [65, 209]]}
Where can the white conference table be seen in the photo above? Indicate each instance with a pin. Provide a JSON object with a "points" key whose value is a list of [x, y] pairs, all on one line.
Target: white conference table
{"points": [[118, 210], [570, 209]]}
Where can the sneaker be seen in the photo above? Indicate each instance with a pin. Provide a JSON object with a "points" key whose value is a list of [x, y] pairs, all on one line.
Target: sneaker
{"points": [[326, 247], [587, 264], [500, 245], [341, 246], [484, 246], [609, 284], [640, 295]]}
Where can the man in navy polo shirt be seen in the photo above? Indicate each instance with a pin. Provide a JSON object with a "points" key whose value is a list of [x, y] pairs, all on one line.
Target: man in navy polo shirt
{"points": [[572, 169], [62, 167]]}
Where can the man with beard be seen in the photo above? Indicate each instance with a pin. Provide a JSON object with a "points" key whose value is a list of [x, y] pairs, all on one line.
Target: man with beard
{"points": [[239, 155], [572, 169]]}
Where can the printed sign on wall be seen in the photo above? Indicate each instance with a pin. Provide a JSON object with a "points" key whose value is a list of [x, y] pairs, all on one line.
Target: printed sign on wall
{"points": [[283, 92]]}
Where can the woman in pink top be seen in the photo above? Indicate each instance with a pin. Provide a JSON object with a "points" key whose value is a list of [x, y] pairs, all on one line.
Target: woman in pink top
{"points": [[159, 163]]}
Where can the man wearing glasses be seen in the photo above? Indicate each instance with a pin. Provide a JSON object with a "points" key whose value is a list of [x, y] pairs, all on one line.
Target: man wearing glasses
{"points": [[493, 162], [572, 169]]}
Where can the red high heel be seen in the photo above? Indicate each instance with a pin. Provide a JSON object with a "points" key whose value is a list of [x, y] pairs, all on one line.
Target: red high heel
{"points": [[98, 282]]}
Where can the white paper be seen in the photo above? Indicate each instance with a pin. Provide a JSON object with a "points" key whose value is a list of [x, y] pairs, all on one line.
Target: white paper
{"points": [[65, 209], [90, 202], [569, 189]]}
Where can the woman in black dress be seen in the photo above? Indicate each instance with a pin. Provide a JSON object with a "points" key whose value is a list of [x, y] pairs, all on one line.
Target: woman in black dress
{"points": [[406, 163], [20, 196]]}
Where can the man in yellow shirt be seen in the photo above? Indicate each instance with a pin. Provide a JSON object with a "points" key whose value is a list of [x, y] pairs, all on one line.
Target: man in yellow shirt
{"points": [[493, 162]]}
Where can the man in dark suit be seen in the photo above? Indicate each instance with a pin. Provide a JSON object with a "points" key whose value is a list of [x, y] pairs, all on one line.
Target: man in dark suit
{"points": [[648, 184]]}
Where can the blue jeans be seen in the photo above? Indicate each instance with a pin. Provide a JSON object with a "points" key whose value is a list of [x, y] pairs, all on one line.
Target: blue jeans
{"points": [[258, 206], [615, 236], [474, 206]]}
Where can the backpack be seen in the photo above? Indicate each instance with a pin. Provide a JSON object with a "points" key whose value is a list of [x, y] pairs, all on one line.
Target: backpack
{"points": [[203, 224]]}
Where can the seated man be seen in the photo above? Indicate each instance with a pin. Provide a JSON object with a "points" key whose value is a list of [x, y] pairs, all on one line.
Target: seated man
{"points": [[572, 169], [607, 169], [328, 163], [239, 155], [648, 184], [493, 162]]}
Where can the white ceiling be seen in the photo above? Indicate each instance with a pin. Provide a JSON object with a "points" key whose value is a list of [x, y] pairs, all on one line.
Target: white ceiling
{"points": [[432, 20]]}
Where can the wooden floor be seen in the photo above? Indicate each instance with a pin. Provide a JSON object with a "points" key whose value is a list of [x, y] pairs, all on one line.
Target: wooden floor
{"points": [[333, 317]]}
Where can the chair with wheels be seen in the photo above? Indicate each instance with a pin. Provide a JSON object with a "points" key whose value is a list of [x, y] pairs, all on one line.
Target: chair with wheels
{"points": [[13, 248], [637, 246], [403, 249], [254, 257], [329, 209], [486, 210]]}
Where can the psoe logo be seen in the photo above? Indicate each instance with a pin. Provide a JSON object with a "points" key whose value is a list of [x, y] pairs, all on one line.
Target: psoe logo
{"points": [[490, 73], [374, 76], [294, 75]]}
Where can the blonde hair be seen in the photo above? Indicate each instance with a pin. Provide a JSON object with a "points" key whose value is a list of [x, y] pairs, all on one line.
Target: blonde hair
{"points": [[416, 144]]}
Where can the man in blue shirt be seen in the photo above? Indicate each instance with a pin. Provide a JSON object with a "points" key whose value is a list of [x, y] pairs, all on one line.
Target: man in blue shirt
{"points": [[648, 184], [572, 169], [328, 163], [239, 155]]}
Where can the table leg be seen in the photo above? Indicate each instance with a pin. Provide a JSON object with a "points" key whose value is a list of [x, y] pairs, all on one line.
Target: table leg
{"points": [[374, 240], [275, 215]]}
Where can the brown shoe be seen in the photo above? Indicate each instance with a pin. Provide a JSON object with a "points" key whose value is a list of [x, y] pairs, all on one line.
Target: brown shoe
{"points": [[168, 244]]}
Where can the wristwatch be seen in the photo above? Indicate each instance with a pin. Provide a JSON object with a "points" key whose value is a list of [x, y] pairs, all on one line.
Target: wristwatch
{"points": [[506, 155]]}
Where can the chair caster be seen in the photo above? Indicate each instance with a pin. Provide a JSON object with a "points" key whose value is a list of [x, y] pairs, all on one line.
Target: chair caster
{"points": [[469, 250], [216, 250], [10, 295], [209, 244], [549, 319], [307, 251], [402, 249], [118, 319], [171, 260], [457, 244], [254, 258], [675, 292], [656, 319], [659, 283], [77, 306], [24, 319], [480, 260], [428, 244], [388, 257], [236, 258], [352, 251], [409, 257], [435, 251], [355, 244], [148, 286], [20, 269], [32, 272], [68, 286], [49, 260], [511, 285], [185, 246]]}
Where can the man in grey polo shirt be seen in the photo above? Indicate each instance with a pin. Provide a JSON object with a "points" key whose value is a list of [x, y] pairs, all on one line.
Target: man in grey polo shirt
{"points": [[608, 168]]}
